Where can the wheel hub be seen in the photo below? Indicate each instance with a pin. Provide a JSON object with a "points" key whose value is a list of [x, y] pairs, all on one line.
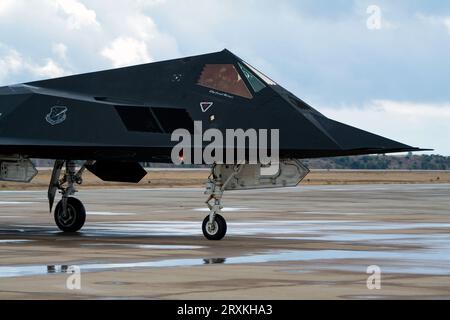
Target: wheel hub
{"points": [[212, 228], [67, 218]]}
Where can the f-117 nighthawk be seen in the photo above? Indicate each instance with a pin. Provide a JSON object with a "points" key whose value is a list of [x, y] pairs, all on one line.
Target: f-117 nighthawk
{"points": [[116, 119]]}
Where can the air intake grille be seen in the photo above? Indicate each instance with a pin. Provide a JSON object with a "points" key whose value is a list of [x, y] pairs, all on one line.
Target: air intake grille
{"points": [[172, 119], [157, 120], [138, 119]]}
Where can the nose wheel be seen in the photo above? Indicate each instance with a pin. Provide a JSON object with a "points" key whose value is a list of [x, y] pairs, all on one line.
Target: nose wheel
{"points": [[71, 219], [214, 226], [215, 230]]}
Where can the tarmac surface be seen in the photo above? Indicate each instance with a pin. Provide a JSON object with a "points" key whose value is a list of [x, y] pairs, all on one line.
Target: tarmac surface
{"points": [[310, 242]]}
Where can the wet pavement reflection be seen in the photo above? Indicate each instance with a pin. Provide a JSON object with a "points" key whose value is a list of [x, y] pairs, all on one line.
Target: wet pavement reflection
{"points": [[404, 235]]}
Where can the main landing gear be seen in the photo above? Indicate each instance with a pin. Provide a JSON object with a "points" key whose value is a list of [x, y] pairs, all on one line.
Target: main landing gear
{"points": [[70, 214]]}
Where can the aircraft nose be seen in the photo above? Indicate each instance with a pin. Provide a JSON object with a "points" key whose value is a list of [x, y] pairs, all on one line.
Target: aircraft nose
{"points": [[351, 138]]}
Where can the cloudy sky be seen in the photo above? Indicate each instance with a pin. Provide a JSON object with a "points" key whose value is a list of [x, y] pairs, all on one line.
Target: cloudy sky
{"points": [[381, 65]]}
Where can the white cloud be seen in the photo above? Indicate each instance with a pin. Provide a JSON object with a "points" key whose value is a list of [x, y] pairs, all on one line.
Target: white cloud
{"points": [[6, 6], [126, 51], [442, 21], [447, 24], [150, 3], [13, 62], [10, 63], [78, 15], [48, 70], [60, 50], [142, 26], [125, 36], [413, 110], [142, 39], [425, 125]]}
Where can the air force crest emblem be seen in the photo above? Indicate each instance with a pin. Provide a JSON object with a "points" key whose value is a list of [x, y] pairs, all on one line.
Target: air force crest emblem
{"points": [[57, 115]]}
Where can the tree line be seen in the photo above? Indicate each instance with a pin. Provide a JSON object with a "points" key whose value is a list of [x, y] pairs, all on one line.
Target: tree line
{"points": [[372, 162], [382, 162]]}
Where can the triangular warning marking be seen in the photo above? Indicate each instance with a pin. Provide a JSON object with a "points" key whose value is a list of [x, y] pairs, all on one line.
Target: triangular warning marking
{"points": [[206, 105]]}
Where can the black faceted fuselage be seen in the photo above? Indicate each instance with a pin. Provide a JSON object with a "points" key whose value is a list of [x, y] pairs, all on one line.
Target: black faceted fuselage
{"points": [[129, 114]]}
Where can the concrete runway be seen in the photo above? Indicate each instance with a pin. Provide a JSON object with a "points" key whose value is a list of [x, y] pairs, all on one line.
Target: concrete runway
{"points": [[308, 242]]}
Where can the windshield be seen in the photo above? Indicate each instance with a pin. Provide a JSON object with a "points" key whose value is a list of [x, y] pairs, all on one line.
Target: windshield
{"points": [[224, 77], [256, 84]]}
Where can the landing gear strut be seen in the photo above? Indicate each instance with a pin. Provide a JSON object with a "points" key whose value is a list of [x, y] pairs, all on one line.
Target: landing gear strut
{"points": [[214, 226], [70, 214]]}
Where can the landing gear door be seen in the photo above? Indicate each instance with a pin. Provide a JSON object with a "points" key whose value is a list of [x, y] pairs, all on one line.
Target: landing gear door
{"points": [[289, 174]]}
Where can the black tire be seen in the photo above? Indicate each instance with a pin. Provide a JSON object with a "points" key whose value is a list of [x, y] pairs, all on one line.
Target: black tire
{"points": [[219, 231], [75, 216]]}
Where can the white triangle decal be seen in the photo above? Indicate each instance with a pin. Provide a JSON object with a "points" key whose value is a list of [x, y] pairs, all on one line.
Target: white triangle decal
{"points": [[206, 106]]}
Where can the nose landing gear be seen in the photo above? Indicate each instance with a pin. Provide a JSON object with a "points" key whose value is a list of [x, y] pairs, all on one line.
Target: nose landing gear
{"points": [[214, 226]]}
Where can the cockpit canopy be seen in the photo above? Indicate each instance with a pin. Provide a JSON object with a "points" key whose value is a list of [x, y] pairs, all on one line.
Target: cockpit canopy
{"points": [[227, 78]]}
